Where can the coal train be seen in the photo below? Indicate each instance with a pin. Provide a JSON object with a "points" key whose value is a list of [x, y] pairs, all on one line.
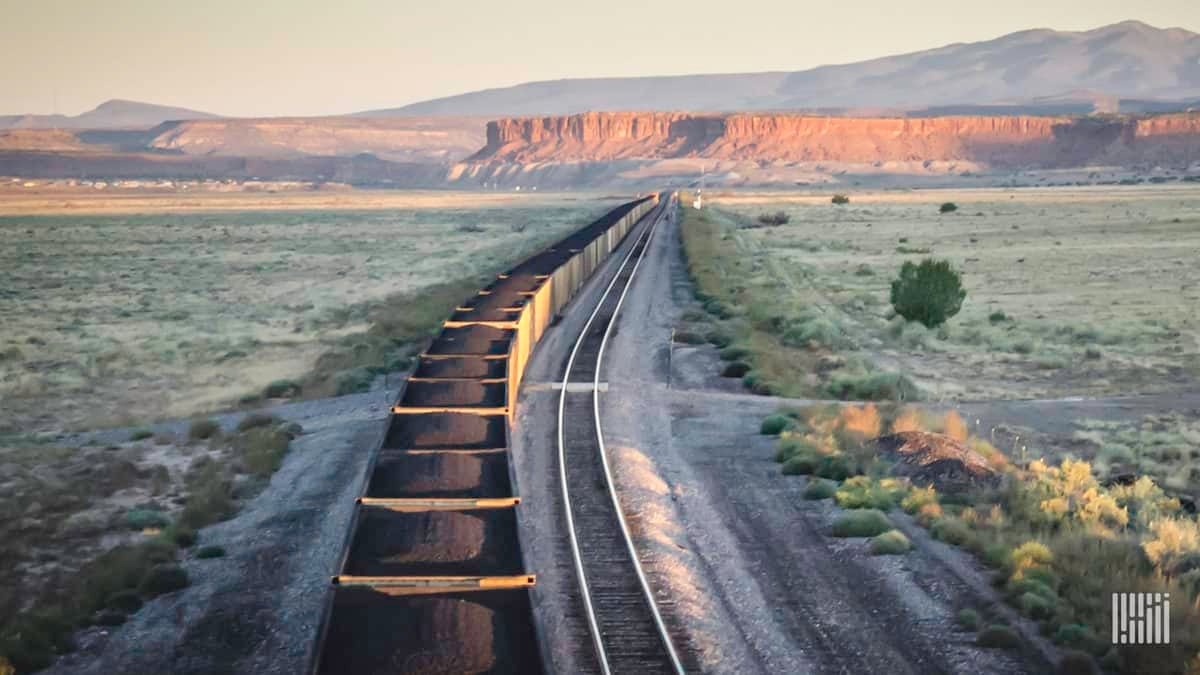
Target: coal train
{"points": [[431, 577]]}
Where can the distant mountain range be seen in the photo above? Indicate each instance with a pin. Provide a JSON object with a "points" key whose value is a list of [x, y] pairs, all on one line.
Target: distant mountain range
{"points": [[1124, 67], [114, 114]]}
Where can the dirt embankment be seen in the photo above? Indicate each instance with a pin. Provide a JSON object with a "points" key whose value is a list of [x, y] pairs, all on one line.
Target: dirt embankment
{"points": [[997, 141]]}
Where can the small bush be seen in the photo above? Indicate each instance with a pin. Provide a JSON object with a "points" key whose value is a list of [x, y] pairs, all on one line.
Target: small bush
{"points": [[282, 389], [862, 492], [773, 425], [163, 579], [861, 523], [110, 617], [735, 369], [892, 542], [207, 552], [834, 467], [948, 207], [1036, 607], [141, 435], [997, 317], [354, 381], [819, 488], [931, 292], [688, 338], [999, 637], [203, 429], [968, 619], [772, 219], [256, 420], [918, 497], [864, 270], [262, 450], [951, 530], [841, 199], [873, 387], [800, 465]]}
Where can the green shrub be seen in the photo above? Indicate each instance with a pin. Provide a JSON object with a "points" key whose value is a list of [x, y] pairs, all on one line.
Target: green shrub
{"points": [[282, 389], [819, 330], [861, 523], [141, 434], [834, 467], [873, 387], [262, 450], [203, 429], [210, 497], [248, 399], [996, 636], [256, 420], [997, 317], [841, 199], [860, 492], [819, 488], [735, 369], [800, 465], [968, 619], [207, 552], [951, 530], [163, 579], [930, 292], [773, 425], [892, 542], [771, 219], [354, 381], [688, 338], [794, 447], [110, 617], [948, 207], [141, 519], [1036, 606], [918, 497], [864, 270]]}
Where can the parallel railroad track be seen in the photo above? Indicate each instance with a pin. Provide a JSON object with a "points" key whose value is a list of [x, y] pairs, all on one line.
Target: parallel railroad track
{"points": [[627, 629]]}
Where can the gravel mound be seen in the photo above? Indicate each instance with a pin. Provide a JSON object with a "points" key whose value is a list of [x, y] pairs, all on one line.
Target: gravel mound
{"points": [[938, 460]]}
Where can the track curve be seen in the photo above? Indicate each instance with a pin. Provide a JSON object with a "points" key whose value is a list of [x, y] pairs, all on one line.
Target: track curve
{"points": [[627, 629]]}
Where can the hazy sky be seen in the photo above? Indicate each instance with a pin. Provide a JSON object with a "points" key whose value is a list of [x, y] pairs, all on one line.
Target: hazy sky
{"points": [[308, 57]]}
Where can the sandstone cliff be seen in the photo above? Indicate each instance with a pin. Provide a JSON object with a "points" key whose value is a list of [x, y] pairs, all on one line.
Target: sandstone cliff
{"points": [[998, 142]]}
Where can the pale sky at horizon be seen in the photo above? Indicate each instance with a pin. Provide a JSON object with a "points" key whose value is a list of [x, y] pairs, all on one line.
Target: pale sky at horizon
{"points": [[304, 57]]}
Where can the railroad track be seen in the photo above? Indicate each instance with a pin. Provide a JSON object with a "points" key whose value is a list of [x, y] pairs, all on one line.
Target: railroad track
{"points": [[627, 629]]}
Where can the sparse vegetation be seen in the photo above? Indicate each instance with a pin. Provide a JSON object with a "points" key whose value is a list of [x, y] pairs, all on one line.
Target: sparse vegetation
{"points": [[968, 619], [948, 207], [774, 219], [841, 199], [998, 637], [819, 488], [892, 542]]}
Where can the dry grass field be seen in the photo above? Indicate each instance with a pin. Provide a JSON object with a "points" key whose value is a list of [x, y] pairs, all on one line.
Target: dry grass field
{"points": [[114, 318], [1071, 292]]}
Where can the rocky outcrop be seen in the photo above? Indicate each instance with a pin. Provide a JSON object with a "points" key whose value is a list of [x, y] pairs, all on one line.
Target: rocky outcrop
{"points": [[998, 141], [398, 139]]}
